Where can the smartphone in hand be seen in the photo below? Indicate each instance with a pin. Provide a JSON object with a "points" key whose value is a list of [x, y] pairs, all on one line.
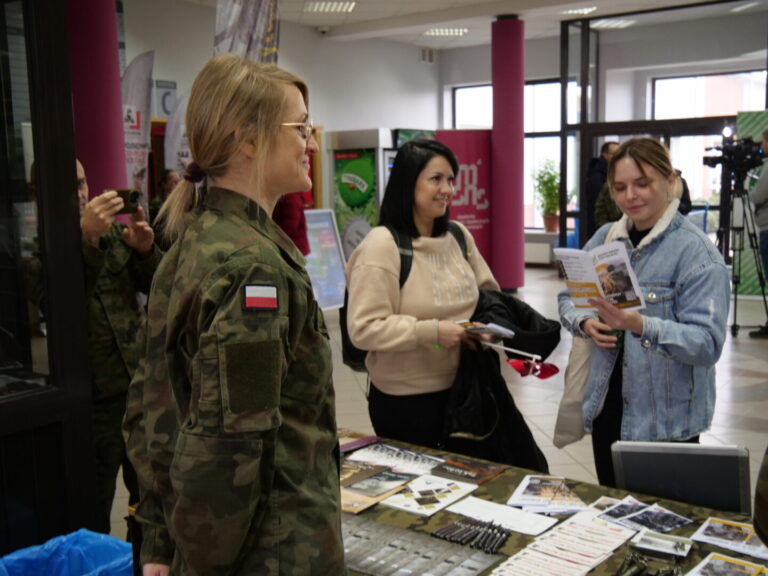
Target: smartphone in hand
{"points": [[130, 198]]}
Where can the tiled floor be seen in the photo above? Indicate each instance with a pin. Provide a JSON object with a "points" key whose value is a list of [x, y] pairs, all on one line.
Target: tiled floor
{"points": [[741, 414]]}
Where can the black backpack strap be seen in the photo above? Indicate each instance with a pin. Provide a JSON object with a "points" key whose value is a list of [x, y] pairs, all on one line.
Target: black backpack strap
{"points": [[405, 247], [454, 229]]}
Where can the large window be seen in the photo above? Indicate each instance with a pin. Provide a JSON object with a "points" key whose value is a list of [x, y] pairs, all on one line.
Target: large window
{"points": [[708, 95], [473, 108]]}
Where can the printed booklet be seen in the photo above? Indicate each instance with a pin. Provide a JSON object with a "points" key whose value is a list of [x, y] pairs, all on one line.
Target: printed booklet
{"points": [[605, 272], [427, 494]]}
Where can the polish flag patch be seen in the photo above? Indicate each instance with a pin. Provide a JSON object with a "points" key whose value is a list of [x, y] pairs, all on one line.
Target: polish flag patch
{"points": [[261, 297]]}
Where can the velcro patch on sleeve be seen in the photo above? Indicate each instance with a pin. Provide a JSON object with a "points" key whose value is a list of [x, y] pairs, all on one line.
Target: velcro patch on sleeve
{"points": [[260, 297], [253, 376]]}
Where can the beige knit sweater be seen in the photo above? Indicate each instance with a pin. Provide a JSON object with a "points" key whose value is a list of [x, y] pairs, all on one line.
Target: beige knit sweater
{"points": [[399, 327]]}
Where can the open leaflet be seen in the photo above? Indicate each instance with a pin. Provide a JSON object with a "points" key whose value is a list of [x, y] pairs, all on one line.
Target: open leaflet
{"points": [[605, 272]]}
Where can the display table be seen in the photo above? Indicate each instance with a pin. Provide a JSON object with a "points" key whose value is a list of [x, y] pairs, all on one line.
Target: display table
{"points": [[500, 488]]}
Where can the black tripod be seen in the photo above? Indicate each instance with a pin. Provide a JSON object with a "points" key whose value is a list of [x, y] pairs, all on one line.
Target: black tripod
{"points": [[742, 222]]}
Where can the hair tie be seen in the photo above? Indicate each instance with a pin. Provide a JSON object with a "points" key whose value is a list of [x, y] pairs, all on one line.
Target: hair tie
{"points": [[193, 173]]}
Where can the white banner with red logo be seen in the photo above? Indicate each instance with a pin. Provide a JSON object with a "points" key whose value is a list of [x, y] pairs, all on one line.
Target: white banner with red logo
{"points": [[471, 201], [177, 154], [137, 98]]}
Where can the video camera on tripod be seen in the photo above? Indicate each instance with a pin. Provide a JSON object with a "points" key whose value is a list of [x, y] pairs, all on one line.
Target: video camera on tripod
{"points": [[738, 156]]}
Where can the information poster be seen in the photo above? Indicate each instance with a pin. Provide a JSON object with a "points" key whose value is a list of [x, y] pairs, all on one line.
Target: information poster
{"points": [[325, 262], [355, 202]]}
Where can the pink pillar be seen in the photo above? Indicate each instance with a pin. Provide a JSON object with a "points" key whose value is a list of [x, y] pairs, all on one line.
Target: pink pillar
{"points": [[507, 224], [96, 93]]}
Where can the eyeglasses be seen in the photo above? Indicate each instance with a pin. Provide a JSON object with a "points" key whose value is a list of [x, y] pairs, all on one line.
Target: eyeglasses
{"points": [[306, 129]]}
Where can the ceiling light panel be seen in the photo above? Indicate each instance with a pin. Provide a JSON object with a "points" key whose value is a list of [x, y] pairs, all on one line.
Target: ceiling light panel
{"points": [[612, 24], [447, 32], [746, 6], [329, 7], [579, 11]]}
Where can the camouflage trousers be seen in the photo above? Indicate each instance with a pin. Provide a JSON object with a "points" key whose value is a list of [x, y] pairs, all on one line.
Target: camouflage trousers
{"points": [[109, 453]]}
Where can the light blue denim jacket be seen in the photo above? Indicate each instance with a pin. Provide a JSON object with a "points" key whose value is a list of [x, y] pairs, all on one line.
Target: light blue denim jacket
{"points": [[668, 373]]}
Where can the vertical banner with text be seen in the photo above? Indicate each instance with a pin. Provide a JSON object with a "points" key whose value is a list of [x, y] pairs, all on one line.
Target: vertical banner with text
{"points": [[137, 98], [177, 154], [471, 201]]}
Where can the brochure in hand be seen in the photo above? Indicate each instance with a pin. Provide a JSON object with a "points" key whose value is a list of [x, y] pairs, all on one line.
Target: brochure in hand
{"points": [[491, 328], [604, 272]]}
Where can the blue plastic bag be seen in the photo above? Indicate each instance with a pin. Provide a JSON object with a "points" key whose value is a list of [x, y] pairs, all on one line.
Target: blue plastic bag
{"points": [[82, 553]]}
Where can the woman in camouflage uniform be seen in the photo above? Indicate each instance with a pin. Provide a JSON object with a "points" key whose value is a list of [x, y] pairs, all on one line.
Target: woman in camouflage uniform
{"points": [[230, 419]]}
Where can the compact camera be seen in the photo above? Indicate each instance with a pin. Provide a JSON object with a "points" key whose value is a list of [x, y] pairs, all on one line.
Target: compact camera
{"points": [[130, 199]]}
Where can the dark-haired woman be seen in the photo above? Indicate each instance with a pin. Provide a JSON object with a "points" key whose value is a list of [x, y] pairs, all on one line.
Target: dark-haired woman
{"points": [[411, 333]]}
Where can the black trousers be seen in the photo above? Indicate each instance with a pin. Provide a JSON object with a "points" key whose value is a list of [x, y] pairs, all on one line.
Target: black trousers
{"points": [[415, 418]]}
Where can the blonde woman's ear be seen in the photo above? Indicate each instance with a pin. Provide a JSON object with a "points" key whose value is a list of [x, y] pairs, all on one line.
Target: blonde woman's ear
{"points": [[245, 146]]}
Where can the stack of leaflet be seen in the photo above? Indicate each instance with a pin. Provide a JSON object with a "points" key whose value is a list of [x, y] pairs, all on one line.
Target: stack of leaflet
{"points": [[364, 485], [427, 494], [634, 514], [350, 440], [737, 536], [546, 495], [572, 548], [399, 459], [716, 564], [373, 473]]}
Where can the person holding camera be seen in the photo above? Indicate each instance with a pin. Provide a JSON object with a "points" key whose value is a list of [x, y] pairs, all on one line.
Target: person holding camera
{"points": [[758, 195], [119, 263]]}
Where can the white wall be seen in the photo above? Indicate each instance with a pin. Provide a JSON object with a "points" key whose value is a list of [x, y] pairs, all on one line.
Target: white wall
{"points": [[361, 84], [471, 66], [364, 84], [180, 33], [630, 59]]}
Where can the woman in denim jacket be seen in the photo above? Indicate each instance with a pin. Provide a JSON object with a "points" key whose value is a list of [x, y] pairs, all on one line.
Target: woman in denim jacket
{"points": [[652, 371]]}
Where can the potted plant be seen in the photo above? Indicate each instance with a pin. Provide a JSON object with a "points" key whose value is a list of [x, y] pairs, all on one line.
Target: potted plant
{"points": [[547, 187]]}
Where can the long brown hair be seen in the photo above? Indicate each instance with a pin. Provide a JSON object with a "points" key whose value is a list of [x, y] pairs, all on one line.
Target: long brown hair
{"points": [[645, 152], [233, 100]]}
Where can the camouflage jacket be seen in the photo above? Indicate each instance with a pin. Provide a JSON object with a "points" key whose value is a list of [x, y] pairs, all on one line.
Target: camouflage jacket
{"points": [[114, 275], [230, 421], [605, 208]]}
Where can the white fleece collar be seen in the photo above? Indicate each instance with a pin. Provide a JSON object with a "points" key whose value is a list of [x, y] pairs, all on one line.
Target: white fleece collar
{"points": [[620, 228]]}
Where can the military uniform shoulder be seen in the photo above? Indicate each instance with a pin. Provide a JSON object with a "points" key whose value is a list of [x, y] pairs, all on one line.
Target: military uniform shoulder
{"points": [[216, 239]]}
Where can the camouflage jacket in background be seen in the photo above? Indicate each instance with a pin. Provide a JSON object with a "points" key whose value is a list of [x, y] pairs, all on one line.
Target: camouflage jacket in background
{"points": [[231, 420], [114, 275], [605, 208]]}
